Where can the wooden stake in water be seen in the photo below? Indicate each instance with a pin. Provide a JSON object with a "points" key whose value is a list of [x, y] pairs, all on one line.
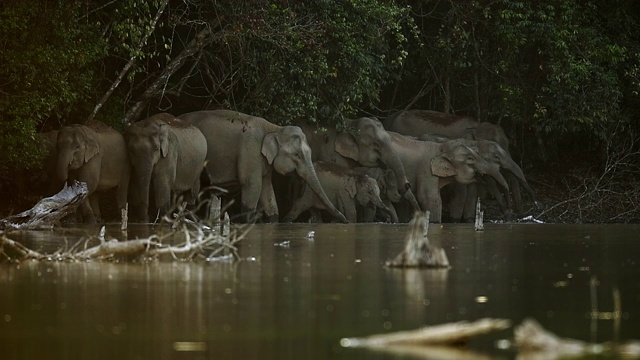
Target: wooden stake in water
{"points": [[214, 210], [124, 214], [479, 217]]}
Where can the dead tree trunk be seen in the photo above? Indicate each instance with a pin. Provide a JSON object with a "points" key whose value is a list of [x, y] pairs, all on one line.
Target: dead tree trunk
{"points": [[50, 210]]}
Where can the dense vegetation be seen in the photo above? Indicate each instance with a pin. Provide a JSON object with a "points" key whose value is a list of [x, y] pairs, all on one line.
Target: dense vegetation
{"points": [[559, 76]]}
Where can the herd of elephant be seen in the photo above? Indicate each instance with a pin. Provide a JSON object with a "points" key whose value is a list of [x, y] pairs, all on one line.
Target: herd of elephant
{"points": [[366, 172]]}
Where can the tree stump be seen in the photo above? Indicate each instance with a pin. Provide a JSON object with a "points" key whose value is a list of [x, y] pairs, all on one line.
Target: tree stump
{"points": [[418, 252]]}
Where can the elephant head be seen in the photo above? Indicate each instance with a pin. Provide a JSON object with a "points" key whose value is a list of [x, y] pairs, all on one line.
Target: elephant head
{"points": [[288, 152], [147, 143], [366, 191], [493, 152], [75, 148], [367, 142], [463, 164], [387, 182]]}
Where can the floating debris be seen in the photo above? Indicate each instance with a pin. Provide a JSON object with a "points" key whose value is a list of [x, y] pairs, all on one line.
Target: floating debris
{"points": [[530, 218], [283, 243]]}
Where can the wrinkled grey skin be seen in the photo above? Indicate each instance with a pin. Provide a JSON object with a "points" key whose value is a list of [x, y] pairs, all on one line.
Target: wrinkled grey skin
{"points": [[430, 166], [344, 187], [418, 122], [463, 201], [364, 142], [96, 154], [389, 194], [244, 150], [167, 155]]}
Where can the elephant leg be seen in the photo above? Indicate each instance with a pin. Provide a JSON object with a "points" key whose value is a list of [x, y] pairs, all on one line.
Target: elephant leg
{"points": [[85, 212], [457, 201], [94, 201], [348, 208], [492, 188], [366, 214], [250, 192], [469, 214], [514, 184], [123, 189], [299, 205], [392, 211], [162, 193], [428, 196], [268, 200], [430, 199]]}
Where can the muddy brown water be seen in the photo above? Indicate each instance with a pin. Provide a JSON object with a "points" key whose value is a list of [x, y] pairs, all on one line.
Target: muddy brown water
{"points": [[291, 297]]}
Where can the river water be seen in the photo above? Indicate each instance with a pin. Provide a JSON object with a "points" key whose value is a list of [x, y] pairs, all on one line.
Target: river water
{"points": [[295, 297]]}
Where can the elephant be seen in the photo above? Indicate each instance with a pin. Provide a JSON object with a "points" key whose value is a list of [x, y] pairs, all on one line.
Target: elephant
{"points": [[430, 166], [463, 201], [418, 122], [345, 188], [244, 150], [96, 154], [168, 154], [389, 194], [363, 142]]}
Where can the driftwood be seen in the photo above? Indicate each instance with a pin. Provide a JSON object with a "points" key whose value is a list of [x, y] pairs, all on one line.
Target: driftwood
{"points": [[536, 343], [445, 334], [418, 252], [48, 211], [198, 240]]}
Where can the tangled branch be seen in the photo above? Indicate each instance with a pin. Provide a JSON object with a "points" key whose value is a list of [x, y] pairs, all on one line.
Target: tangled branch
{"points": [[188, 239]]}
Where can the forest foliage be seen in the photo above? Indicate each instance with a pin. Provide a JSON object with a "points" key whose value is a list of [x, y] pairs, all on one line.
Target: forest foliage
{"points": [[551, 72]]}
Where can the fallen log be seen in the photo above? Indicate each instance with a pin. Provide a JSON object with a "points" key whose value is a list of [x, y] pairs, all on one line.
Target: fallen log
{"points": [[418, 252], [536, 343], [49, 210], [445, 334]]}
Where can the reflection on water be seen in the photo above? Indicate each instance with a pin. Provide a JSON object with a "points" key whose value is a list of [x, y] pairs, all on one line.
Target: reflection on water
{"points": [[300, 298]]}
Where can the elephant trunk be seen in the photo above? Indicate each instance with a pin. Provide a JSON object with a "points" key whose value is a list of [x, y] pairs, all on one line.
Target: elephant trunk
{"points": [[62, 168], [381, 205], [390, 158], [493, 170], [408, 195], [517, 171], [142, 181], [311, 178]]}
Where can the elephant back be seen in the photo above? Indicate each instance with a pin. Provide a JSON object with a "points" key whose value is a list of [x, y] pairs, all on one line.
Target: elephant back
{"points": [[418, 122]]}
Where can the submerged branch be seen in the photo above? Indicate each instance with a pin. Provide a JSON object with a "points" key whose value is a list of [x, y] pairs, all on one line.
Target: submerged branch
{"points": [[197, 239]]}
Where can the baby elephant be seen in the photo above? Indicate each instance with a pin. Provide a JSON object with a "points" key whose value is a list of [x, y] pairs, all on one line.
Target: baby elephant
{"points": [[389, 193], [344, 187]]}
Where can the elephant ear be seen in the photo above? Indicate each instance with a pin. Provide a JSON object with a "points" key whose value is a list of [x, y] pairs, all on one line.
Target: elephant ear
{"points": [[442, 167], [346, 146], [270, 146], [164, 140], [91, 147], [350, 186]]}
